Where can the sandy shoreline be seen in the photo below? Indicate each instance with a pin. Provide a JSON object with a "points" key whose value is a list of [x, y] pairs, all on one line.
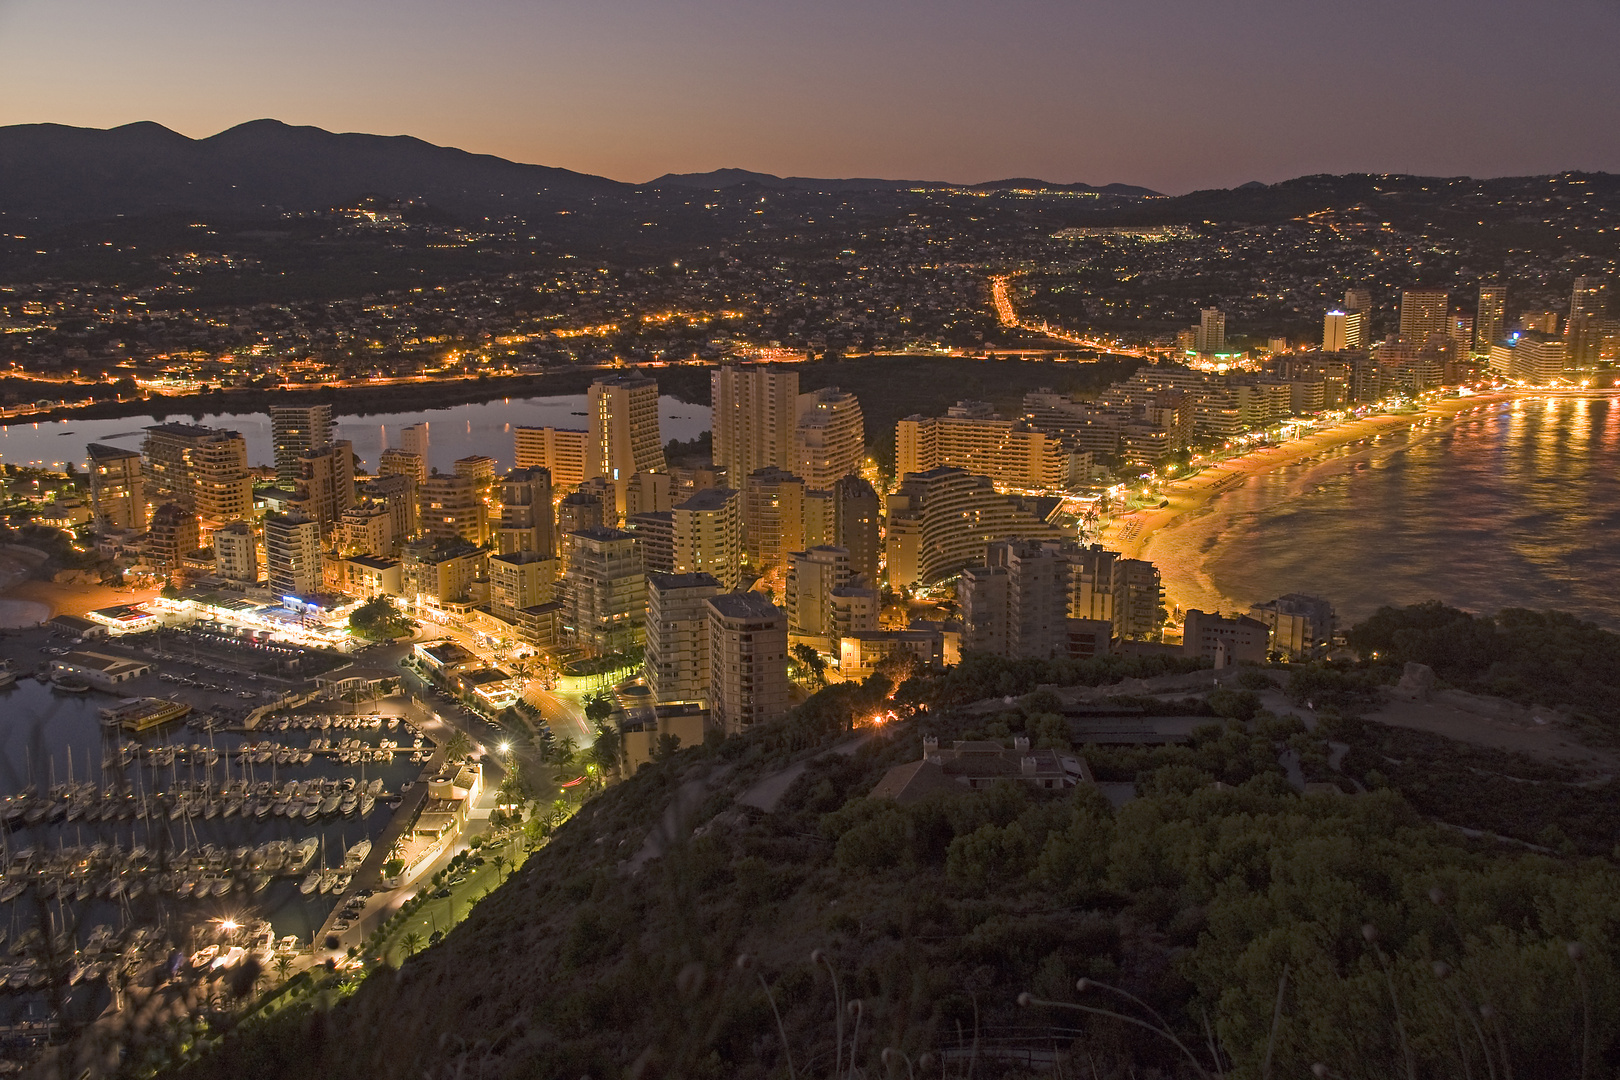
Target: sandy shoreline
{"points": [[1132, 534]]}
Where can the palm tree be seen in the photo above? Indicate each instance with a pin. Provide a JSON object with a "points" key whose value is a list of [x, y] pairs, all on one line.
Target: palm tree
{"points": [[607, 750], [283, 966], [563, 753], [457, 746], [500, 866], [411, 943]]}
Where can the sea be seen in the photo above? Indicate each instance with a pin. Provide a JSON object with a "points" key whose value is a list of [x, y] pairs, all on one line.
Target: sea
{"points": [[1513, 504], [456, 432]]}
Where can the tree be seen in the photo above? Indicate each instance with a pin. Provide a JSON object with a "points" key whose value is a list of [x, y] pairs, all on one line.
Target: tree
{"points": [[668, 743], [598, 707], [411, 943], [283, 966], [608, 750], [457, 747], [811, 664], [564, 758], [379, 618]]}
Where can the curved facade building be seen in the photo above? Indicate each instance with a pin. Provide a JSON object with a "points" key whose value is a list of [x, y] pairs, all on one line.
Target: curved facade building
{"points": [[943, 520]]}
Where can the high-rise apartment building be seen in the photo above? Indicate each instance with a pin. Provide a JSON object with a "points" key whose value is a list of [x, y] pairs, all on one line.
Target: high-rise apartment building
{"points": [[812, 575], [437, 574], [1018, 603], [1210, 336], [1587, 323], [1138, 601], [754, 413], [1462, 335], [400, 496], [1008, 451], [655, 540], [527, 516], [519, 580], [560, 451], [367, 529], [325, 485], [1091, 584], [773, 519], [294, 431], [648, 493], [677, 657], [414, 440], [820, 518], [708, 535], [1424, 312], [578, 511], [236, 553], [171, 537], [1360, 300], [945, 519], [623, 430], [478, 468], [117, 489], [292, 554], [1342, 331], [1490, 318], [450, 509], [605, 592], [830, 441], [857, 525], [748, 646], [201, 469], [1533, 358]]}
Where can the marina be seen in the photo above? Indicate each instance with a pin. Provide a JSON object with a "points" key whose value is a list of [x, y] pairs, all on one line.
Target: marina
{"points": [[119, 848]]}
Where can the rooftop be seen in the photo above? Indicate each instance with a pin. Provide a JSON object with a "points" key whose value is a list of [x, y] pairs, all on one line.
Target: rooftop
{"points": [[666, 582], [709, 499], [103, 452], [748, 605]]}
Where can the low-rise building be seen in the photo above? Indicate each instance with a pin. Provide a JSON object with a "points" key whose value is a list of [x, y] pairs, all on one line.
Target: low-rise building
{"points": [[860, 653], [1299, 624], [101, 670], [972, 766], [366, 576], [497, 688], [444, 657], [1238, 640], [236, 553]]}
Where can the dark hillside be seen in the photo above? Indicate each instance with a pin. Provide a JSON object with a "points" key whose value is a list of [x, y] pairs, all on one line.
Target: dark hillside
{"points": [[615, 951], [59, 174]]}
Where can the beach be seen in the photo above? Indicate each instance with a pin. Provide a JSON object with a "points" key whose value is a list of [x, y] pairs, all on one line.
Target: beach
{"points": [[26, 600], [1141, 533]]}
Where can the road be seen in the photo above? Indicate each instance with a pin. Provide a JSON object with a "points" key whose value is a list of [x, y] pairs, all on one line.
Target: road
{"points": [[440, 715], [1007, 314]]}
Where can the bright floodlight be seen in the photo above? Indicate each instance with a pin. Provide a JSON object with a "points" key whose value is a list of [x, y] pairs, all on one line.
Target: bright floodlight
{"points": [[506, 747]]}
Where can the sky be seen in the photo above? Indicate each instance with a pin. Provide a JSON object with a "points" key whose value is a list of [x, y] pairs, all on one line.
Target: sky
{"points": [[1175, 95]]}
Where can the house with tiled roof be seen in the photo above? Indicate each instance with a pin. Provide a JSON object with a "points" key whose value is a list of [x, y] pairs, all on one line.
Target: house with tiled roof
{"points": [[978, 764]]}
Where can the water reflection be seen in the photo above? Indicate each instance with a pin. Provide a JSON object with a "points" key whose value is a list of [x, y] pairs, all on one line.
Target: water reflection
{"points": [[1517, 505]]}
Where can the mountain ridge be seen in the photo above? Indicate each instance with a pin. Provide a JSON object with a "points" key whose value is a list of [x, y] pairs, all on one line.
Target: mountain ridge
{"points": [[721, 179], [58, 173]]}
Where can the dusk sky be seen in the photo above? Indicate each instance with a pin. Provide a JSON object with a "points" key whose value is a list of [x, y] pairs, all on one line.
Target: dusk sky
{"points": [[1173, 94]]}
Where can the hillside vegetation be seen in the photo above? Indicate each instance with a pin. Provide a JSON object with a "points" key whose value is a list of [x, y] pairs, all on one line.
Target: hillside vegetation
{"points": [[670, 929]]}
